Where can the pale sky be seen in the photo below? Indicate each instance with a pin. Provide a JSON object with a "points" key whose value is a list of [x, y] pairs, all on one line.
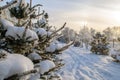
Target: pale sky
{"points": [[98, 14]]}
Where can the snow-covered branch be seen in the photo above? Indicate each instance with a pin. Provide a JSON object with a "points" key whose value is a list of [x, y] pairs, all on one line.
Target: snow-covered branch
{"points": [[8, 5]]}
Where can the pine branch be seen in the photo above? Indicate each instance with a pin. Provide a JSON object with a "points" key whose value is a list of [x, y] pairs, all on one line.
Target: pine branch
{"points": [[39, 14], [61, 49], [6, 6], [24, 33], [19, 75], [48, 28], [58, 29], [64, 48], [31, 12], [53, 69], [36, 6], [26, 23]]}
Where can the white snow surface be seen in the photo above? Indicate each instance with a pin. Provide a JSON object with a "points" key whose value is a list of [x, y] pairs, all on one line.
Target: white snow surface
{"points": [[81, 64], [45, 66], [6, 23], [13, 64]]}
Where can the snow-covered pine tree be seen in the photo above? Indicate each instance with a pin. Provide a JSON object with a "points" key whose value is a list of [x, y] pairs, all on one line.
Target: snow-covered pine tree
{"points": [[85, 36], [99, 45], [108, 32], [33, 45]]}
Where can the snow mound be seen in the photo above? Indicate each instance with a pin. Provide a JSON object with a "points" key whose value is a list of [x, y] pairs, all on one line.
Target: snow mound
{"points": [[34, 56], [115, 53], [13, 64], [35, 76], [53, 46], [45, 66], [6, 23], [3, 52], [41, 32], [49, 33], [14, 31]]}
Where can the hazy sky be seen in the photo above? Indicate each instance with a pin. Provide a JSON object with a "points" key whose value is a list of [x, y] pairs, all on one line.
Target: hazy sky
{"points": [[94, 13]]}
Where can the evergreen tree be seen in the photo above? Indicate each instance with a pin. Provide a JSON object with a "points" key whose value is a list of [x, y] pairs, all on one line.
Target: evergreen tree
{"points": [[36, 41], [99, 45]]}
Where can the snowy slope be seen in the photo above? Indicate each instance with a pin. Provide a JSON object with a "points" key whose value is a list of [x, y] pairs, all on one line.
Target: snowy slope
{"points": [[80, 64]]}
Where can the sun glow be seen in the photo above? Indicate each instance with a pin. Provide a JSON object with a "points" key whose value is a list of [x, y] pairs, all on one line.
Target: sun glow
{"points": [[116, 16], [83, 23]]}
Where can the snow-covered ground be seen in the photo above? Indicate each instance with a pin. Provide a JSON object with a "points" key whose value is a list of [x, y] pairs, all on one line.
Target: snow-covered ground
{"points": [[81, 64]]}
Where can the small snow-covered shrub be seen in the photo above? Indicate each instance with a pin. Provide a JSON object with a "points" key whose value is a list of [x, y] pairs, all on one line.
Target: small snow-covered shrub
{"points": [[15, 64], [115, 55]]}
